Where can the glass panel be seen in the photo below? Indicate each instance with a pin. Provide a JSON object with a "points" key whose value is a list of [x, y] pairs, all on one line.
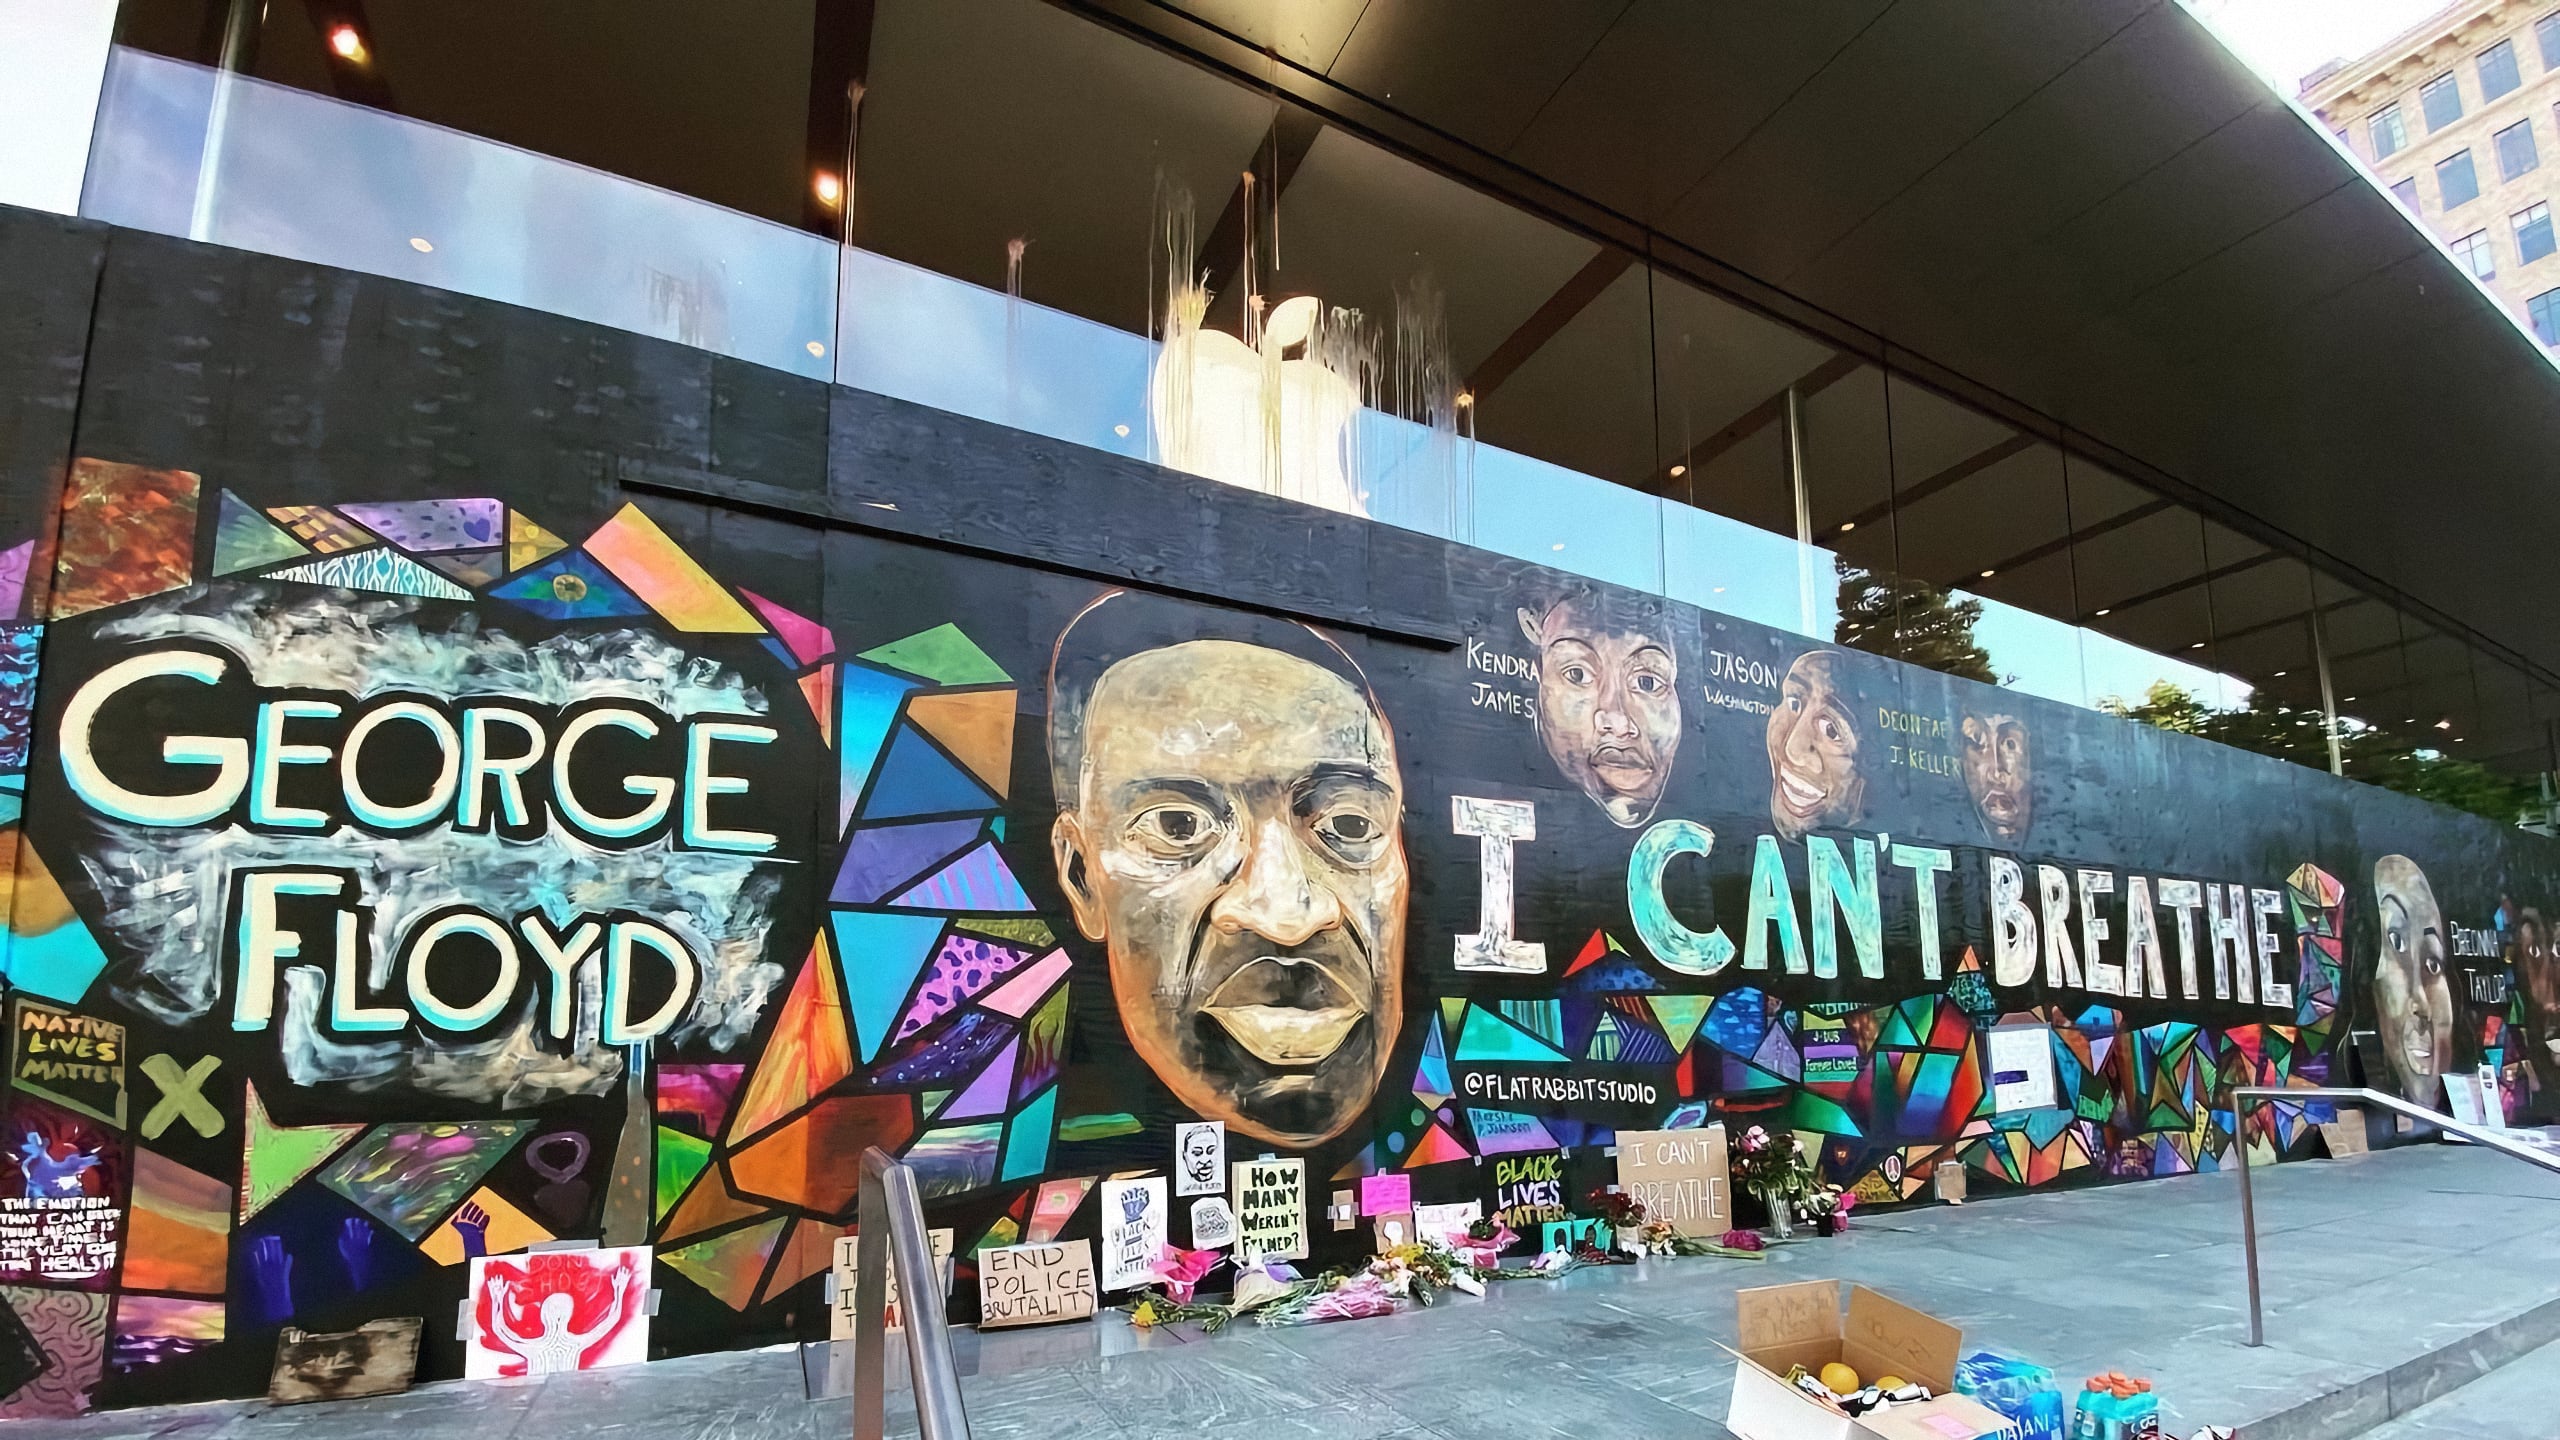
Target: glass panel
{"points": [[2262, 646], [1723, 374], [53, 58], [2506, 735], [310, 178], [2139, 566]]}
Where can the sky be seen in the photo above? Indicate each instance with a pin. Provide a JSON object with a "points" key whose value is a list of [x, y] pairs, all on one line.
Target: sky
{"points": [[2285, 40]]}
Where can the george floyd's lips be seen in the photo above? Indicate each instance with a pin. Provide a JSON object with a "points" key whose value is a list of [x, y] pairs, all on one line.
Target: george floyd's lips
{"points": [[1285, 1010], [1800, 797]]}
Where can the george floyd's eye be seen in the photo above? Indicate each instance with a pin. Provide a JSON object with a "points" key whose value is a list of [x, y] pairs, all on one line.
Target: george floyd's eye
{"points": [[1352, 834], [1174, 829]]}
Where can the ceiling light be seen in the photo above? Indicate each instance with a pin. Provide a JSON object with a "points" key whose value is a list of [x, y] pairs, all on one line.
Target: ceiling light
{"points": [[1986, 574], [1120, 430], [2347, 698], [1557, 546], [2102, 612], [1848, 525], [2197, 646], [347, 42], [818, 348], [1467, 398], [830, 189], [1719, 589], [1679, 470], [2444, 724], [419, 244], [2279, 675]]}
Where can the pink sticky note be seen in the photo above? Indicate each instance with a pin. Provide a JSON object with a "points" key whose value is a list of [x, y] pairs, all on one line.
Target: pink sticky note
{"points": [[1385, 1194], [1950, 1425]]}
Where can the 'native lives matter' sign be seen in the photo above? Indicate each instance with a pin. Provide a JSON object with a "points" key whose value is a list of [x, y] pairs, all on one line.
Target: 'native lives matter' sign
{"points": [[1271, 1210], [1679, 1175], [1035, 1284]]}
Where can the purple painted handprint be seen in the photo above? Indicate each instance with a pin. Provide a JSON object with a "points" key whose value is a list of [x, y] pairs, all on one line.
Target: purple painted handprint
{"points": [[472, 1224], [272, 1269], [355, 1248]]}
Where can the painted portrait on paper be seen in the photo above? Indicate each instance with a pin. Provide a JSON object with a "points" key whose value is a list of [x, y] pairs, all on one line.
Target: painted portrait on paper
{"points": [[1999, 773], [1815, 775], [1230, 829], [2412, 996], [1608, 697]]}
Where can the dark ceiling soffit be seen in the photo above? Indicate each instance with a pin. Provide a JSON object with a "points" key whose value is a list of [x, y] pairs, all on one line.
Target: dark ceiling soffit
{"points": [[839, 64], [1947, 479], [1570, 299], [1275, 163], [1751, 422], [1220, 51]]}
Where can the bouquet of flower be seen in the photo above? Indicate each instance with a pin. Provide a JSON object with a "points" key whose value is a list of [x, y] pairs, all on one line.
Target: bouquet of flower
{"points": [[1616, 1208], [1828, 1200], [1775, 1168]]}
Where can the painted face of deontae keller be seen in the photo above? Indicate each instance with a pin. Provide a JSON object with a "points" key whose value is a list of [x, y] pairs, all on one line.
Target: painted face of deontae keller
{"points": [[1813, 750], [2412, 1000], [1236, 843], [1998, 774], [1608, 708]]}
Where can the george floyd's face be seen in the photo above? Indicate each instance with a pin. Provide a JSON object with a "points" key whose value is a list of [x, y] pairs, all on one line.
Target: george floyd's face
{"points": [[1997, 773], [1608, 709], [1236, 842], [1200, 1155], [1813, 750], [2412, 1000]]}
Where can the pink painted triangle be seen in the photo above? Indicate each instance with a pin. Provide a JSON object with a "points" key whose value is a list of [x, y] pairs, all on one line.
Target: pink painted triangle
{"points": [[13, 578], [987, 1094], [807, 638], [1023, 993]]}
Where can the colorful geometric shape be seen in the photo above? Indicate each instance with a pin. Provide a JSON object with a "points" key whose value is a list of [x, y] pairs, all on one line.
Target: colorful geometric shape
{"points": [[425, 525], [528, 543], [150, 1329], [811, 1249], [471, 567], [178, 1235], [882, 860], [916, 779], [805, 1054], [976, 727], [708, 1206], [128, 531], [321, 528], [815, 1161], [1026, 1142], [385, 572], [1487, 1038], [962, 967], [658, 571], [809, 640], [1436, 1147], [1681, 1015], [502, 1229], [977, 881], [407, 1175], [1044, 1045], [680, 1158], [700, 1093], [571, 587], [952, 1159], [1017, 996], [243, 539], [990, 1094], [868, 702], [1431, 1076], [15, 562], [943, 655], [947, 1055], [880, 956], [1033, 933], [275, 1157], [818, 688], [50, 951], [729, 1266]]}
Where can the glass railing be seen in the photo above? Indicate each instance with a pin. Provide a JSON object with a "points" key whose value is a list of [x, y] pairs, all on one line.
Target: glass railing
{"points": [[287, 172]]}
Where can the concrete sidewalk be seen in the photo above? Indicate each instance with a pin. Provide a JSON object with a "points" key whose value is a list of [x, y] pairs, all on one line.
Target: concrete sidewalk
{"points": [[2390, 1279]]}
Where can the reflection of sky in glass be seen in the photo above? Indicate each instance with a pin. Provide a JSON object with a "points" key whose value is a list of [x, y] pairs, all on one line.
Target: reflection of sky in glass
{"points": [[312, 178]]}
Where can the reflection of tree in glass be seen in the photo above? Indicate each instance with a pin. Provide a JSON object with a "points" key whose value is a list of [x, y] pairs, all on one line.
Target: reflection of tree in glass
{"points": [[1910, 621], [2268, 726]]}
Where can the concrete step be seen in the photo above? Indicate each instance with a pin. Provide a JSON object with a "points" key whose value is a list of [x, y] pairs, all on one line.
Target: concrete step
{"points": [[2518, 1400]]}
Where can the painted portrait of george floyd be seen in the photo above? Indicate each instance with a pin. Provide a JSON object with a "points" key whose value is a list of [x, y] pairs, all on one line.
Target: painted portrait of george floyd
{"points": [[1230, 829]]}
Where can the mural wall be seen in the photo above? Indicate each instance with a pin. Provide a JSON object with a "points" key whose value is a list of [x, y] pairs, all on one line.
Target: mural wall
{"points": [[409, 874]]}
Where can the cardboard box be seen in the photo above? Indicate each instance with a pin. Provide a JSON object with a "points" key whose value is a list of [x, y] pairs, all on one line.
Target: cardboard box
{"points": [[1783, 1326]]}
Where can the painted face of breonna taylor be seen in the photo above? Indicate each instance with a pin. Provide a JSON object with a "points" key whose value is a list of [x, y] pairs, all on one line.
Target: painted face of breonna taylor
{"points": [[1235, 841], [2412, 999]]}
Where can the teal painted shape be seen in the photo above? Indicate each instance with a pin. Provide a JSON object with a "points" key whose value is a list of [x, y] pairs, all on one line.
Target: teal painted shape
{"points": [[916, 779], [1488, 1039], [61, 964], [1432, 1076], [879, 957], [243, 539], [384, 571], [601, 598], [866, 711], [1026, 1142]]}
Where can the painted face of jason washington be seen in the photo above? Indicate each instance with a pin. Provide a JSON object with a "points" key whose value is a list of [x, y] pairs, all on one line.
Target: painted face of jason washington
{"points": [[1236, 843], [2412, 1000], [1608, 708], [1813, 750], [1999, 775]]}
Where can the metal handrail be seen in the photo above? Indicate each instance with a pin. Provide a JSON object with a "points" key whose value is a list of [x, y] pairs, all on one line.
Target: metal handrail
{"points": [[890, 1207], [2241, 1099]]}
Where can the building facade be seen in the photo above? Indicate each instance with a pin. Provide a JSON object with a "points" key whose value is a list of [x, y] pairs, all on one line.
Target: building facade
{"points": [[1099, 609], [2460, 117]]}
